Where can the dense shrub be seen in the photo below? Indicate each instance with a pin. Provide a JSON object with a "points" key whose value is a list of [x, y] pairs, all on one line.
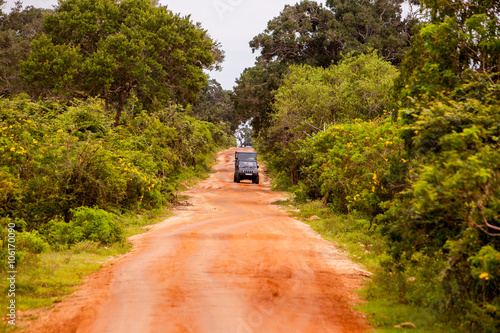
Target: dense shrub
{"points": [[31, 242], [451, 213], [87, 223], [311, 99], [355, 166], [58, 156]]}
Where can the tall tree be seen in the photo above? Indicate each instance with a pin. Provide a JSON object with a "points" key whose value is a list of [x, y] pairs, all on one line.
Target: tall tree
{"points": [[360, 25], [255, 91], [215, 105], [17, 30], [309, 33], [460, 40], [131, 47], [299, 35]]}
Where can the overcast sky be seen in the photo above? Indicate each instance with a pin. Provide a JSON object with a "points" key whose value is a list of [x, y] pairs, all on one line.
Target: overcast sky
{"points": [[232, 22]]}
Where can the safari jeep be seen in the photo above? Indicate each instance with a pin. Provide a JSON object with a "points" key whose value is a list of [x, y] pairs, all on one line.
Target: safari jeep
{"points": [[246, 167]]}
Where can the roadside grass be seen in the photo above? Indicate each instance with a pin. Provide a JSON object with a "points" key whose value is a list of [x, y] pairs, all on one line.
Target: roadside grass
{"points": [[385, 314], [365, 245], [46, 278]]}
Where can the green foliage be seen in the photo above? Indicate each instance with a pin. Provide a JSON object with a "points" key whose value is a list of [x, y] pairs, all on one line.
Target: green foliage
{"points": [[308, 33], [451, 211], [355, 166], [254, 92], [215, 105], [461, 38], [359, 26], [300, 35], [17, 30], [312, 98], [31, 242], [58, 156], [51, 69], [449, 217], [115, 50], [95, 225], [361, 87]]}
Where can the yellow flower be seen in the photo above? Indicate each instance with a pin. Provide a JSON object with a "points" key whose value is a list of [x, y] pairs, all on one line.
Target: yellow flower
{"points": [[373, 189], [374, 176], [12, 149], [484, 276], [416, 132]]}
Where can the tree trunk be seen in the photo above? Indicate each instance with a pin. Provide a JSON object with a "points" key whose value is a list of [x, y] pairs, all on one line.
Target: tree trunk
{"points": [[119, 109], [118, 115]]}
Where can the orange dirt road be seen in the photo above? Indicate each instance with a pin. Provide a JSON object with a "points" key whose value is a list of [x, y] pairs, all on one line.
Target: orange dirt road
{"points": [[228, 263]]}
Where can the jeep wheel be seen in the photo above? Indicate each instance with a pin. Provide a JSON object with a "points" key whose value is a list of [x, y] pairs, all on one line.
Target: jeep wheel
{"points": [[255, 180], [237, 178]]}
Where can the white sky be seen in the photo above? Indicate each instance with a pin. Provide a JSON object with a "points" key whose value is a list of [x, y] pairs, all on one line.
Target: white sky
{"points": [[232, 22]]}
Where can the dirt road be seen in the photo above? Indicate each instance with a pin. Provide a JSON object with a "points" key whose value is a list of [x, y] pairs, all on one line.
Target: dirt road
{"points": [[230, 262]]}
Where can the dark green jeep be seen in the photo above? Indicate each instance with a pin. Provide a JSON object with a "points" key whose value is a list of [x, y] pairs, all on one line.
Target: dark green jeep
{"points": [[246, 167]]}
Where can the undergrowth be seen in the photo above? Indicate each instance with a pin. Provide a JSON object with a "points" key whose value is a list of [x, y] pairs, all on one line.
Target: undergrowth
{"points": [[365, 245], [45, 278], [49, 276]]}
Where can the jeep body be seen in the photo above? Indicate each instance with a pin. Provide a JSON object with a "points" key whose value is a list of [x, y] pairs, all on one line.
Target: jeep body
{"points": [[246, 167]]}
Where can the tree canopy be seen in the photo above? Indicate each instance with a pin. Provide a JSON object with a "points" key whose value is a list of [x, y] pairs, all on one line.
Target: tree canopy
{"points": [[17, 30], [215, 105], [460, 40], [316, 35], [300, 34], [309, 33], [118, 49]]}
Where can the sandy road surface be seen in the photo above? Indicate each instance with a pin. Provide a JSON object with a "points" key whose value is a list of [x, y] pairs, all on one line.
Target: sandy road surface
{"points": [[230, 262]]}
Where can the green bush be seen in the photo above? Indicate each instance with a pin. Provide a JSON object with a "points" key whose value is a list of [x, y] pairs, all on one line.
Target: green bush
{"points": [[313, 98], [57, 156], [91, 224], [31, 242], [355, 166], [452, 210]]}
